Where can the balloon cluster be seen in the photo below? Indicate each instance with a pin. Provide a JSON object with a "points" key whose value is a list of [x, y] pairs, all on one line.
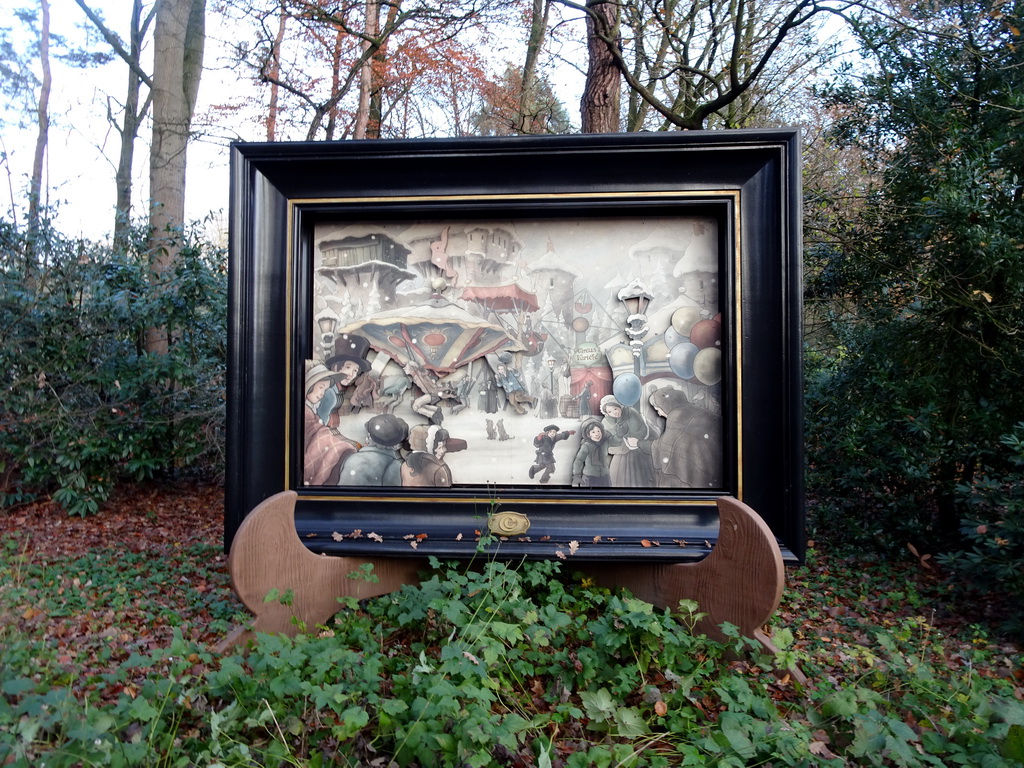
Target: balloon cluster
{"points": [[695, 346], [695, 352]]}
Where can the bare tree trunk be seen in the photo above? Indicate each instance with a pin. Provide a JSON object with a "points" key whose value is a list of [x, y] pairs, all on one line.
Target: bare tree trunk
{"points": [[376, 115], [534, 42], [133, 112], [177, 65], [377, 77], [332, 114], [130, 124], [43, 115], [366, 72], [599, 107], [274, 67]]}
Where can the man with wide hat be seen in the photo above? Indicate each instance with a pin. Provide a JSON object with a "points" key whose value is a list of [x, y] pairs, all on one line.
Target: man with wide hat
{"points": [[349, 361], [349, 356]]}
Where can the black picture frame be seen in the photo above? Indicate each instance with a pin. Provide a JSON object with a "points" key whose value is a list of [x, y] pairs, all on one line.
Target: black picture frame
{"points": [[748, 181]]}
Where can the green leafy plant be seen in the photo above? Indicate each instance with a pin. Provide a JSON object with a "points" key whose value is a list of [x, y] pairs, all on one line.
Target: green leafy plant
{"points": [[492, 664], [990, 558], [85, 406], [915, 279]]}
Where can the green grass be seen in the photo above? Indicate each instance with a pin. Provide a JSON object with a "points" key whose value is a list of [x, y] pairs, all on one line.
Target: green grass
{"points": [[106, 661]]}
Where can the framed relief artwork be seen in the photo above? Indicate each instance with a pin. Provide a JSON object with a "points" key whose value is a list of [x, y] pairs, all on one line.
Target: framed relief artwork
{"points": [[557, 346]]}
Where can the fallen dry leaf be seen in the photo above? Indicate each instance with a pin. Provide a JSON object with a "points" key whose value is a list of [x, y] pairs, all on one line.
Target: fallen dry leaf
{"points": [[821, 749]]}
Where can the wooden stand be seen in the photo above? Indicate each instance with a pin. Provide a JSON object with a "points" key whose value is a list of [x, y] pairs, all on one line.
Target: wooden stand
{"points": [[267, 554], [740, 582]]}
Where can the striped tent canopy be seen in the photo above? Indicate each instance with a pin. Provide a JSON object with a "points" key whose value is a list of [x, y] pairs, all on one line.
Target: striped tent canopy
{"points": [[437, 335]]}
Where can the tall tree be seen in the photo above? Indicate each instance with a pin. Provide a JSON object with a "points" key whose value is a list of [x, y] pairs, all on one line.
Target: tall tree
{"points": [[178, 42], [134, 109], [273, 68], [369, 112], [599, 106], [537, 31], [507, 109], [35, 193]]}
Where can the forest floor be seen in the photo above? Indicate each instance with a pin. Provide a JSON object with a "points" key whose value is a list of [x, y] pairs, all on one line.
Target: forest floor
{"points": [[94, 621]]}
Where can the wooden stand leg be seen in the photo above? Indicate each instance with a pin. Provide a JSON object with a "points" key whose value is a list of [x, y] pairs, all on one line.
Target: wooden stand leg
{"points": [[740, 582], [268, 554]]}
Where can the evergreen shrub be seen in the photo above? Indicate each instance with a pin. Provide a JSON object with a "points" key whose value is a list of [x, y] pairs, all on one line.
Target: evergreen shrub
{"points": [[84, 404]]}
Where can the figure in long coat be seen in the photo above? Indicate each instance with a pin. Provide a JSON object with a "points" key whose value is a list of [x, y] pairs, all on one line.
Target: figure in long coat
{"points": [[584, 399], [630, 438], [488, 396], [688, 454], [548, 404]]}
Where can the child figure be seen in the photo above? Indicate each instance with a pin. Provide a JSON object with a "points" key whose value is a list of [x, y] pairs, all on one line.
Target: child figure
{"points": [[590, 469], [545, 445]]}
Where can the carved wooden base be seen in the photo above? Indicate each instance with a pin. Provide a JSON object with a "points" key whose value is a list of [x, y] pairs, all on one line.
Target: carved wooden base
{"points": [[267, 554], [740, 581]]}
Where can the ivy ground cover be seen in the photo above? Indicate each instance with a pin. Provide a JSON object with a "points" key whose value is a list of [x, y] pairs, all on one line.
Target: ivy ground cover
{"points": [[108, 624]]}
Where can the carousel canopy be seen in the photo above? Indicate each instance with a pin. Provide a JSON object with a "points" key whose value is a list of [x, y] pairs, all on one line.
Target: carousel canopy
{"points": [[436, 335], [502, 298]]}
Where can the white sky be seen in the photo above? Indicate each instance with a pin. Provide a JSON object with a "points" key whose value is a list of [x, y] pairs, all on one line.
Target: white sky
{"points": [[83, 147]]}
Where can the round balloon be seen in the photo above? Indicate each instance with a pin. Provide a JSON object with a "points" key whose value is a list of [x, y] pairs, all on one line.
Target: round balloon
{"points": [[707, 366], [673, 337], [706, 333], [680, 359], [627, 388], [684, 318]]}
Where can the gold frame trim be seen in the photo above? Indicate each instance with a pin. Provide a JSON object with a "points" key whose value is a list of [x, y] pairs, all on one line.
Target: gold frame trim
{"points": [[734, 194]]}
